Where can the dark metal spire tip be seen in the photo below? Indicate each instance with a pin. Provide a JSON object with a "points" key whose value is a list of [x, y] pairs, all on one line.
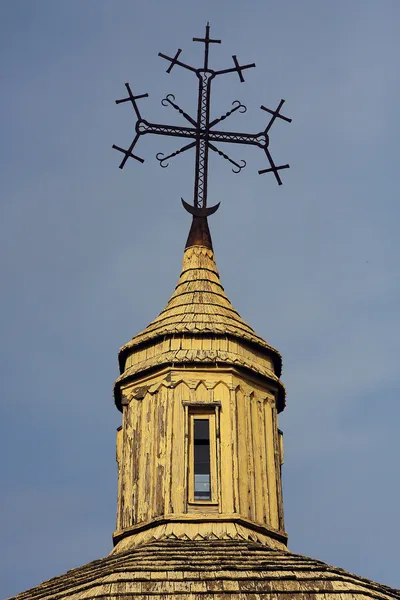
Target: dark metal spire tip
{"points": [[199, 234]]}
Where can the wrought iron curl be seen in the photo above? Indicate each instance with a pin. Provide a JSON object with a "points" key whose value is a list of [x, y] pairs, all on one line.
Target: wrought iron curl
{"points": [[162, 158], [165, 101], [228, 158]]}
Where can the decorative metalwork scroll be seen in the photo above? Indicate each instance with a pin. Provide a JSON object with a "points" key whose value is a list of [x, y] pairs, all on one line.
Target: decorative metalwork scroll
{"points": [[201, 133]]}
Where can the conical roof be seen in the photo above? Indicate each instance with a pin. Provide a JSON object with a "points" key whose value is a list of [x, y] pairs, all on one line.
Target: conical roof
{"points": [[199, 307]]}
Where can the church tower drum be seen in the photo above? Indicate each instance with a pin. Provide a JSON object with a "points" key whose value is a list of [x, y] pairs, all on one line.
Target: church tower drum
{"points": [[199, 451]]}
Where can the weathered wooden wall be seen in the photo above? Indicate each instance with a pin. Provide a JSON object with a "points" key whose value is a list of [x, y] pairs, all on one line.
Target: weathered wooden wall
{"points": [[152, 449]]}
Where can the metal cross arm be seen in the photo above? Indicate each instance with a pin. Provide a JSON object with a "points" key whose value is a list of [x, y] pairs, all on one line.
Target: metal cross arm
{"points": [[206, 41], [273, 169], [131, 98], [174, 61], [275, 114], [128, 153], [236, 69], [201, 132]]}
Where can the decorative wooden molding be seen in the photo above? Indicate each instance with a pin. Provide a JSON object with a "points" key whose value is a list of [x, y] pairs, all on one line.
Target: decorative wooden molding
{"points": [[201, 518], [200, 404]]}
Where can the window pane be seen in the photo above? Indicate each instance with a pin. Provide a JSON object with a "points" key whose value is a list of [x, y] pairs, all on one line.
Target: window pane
{"points": [[202, 487]]}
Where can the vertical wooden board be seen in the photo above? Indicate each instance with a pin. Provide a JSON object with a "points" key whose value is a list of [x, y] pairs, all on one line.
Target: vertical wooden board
{"points": [[152, 434], [160, 453], [165, 345], [206, 343], [263, 461], [278, 466], [175, 343], [222, 393], [232, 346], [223, 344], [150, 351], [120, 468], [235, 465], [126, 434], [187, 459], [270, 437], [169, 412], [127, 511], [119, 458], [250, 457], [185, 343], [244, 489], [154, 445], [136, 416], [267, 429], [178, 491], [196, 343], [257, 460], [144, 479]]}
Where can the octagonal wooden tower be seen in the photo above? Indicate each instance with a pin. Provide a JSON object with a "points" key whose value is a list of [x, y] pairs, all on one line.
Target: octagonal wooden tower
{"points": [[199, 370]]}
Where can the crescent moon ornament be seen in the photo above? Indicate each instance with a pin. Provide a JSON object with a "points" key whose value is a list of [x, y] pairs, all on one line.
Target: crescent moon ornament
{"points": [[200, 212]]}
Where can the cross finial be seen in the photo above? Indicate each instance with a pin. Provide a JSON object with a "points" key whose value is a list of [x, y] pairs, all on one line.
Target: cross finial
{"points": [[201, 134], [207, 41]]}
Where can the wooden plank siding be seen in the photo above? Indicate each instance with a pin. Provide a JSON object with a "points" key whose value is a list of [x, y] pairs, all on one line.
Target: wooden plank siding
{"points": [[154, 459]]}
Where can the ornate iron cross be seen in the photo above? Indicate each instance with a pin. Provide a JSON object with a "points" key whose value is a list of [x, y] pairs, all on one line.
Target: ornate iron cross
{"points": [[201, 130]]}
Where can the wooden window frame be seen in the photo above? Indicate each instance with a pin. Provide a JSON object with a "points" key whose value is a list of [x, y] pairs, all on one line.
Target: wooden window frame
{"points": [[209, 412]]}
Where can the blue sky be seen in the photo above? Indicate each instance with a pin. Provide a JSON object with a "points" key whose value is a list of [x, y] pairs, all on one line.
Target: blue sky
{"points": [[90, 254]]}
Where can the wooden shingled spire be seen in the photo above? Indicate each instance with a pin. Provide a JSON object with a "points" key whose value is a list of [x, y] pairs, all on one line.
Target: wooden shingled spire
{"points": [[199, 315]]}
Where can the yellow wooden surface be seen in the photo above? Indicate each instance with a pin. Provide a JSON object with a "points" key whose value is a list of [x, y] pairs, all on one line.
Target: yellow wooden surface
{"points": [[225, 569], [199, 305], [155, 471]]}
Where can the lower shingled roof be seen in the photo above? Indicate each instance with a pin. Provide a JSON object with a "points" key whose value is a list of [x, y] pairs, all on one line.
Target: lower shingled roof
{"points": [[207, 570]]}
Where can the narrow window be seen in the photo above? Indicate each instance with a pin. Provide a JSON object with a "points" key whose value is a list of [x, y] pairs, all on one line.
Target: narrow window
{"points": [[202, 466], [202, 455]]}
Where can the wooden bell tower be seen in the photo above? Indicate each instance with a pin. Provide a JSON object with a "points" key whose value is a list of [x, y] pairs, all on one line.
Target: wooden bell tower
{"points": [[199, 451]]}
